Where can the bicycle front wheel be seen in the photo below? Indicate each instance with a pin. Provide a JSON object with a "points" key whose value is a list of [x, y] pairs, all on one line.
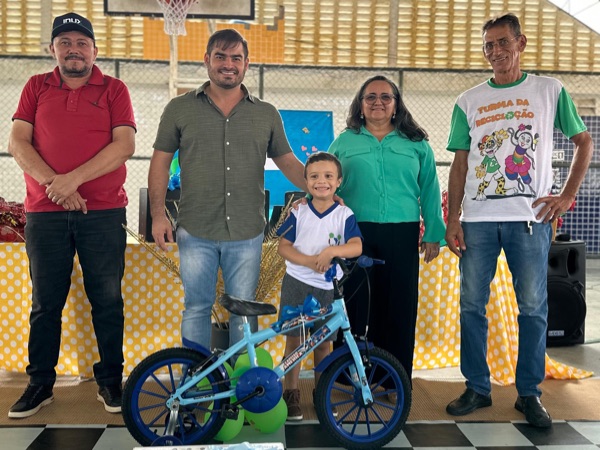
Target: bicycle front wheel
{"points": [[151, 384], [341, 410]]}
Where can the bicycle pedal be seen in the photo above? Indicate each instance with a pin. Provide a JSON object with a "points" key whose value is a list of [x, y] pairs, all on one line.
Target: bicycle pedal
{"points": [[230, 412]]}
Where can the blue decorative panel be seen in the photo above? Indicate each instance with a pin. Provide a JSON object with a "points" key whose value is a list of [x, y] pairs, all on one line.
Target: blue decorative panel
{"points": [[307, 132]]}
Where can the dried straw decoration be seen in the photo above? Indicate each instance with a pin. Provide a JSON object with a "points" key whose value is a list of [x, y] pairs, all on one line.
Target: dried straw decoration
{"points": [[272, 265], [171, 265]]}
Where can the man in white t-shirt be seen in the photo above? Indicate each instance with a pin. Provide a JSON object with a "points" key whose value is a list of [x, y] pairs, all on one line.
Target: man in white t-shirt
{"points": [[499, 198]]}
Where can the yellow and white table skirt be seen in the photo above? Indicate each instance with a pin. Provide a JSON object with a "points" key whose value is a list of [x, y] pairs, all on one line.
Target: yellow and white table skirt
{"points": [[154, 302]]}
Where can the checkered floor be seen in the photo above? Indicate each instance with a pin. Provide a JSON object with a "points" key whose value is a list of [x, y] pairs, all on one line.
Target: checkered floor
{"points": [[427, 435]]}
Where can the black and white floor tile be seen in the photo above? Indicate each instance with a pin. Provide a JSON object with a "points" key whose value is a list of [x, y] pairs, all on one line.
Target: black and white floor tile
{"points": [[571, 435]]}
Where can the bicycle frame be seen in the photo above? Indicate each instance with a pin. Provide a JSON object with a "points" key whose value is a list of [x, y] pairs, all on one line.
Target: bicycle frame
{"points": [[336, 319], [166, 400]]}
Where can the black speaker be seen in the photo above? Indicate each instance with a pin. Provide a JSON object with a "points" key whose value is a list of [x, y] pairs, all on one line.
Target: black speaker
{"points": [[145, 219], [566, 293]]}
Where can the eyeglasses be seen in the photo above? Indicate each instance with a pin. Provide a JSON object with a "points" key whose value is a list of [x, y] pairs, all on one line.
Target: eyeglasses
{"points": [[386, 99], [488, 47]]}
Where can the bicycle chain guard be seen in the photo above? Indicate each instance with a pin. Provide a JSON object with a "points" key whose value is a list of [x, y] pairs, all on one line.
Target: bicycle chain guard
{"points": [[262, 386]]}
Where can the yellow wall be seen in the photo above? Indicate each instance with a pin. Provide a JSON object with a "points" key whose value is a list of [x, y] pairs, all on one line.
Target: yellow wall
{"points": [[266, 43], [429, 34]]}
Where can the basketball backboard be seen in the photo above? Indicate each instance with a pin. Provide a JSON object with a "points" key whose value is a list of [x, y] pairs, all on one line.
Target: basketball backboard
{"points": [[203, 9]]}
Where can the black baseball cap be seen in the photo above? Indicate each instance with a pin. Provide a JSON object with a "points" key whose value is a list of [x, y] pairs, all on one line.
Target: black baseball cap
{"points": [[72, 22]]}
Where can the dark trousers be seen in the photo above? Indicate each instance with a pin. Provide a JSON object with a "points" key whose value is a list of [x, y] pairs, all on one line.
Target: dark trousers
{"points": [[394, 289], [51, 242]]}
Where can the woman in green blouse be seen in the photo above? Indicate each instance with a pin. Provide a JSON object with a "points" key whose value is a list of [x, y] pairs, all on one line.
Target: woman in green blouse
{"points": [[390, 182]]}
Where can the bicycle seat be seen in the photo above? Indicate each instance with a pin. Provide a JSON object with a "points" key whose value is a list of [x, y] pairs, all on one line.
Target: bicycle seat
{"points": [[246, 307]]}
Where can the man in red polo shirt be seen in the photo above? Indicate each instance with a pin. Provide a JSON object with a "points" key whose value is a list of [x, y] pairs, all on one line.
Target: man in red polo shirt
{"points": [[72, 133]]}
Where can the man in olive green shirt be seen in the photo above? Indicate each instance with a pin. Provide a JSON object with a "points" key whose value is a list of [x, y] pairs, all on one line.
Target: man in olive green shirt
{"points": [[224, 136]]}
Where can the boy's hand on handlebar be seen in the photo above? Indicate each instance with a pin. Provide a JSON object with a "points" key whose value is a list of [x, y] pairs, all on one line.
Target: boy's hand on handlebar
{"points": [[323, 260]]}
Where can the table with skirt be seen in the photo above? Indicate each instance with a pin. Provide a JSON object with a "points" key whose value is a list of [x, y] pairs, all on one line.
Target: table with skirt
{"points": [[153, 299]]}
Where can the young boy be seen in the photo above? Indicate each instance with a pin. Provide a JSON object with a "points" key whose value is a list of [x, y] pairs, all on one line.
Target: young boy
{"points": [[315, 233]]}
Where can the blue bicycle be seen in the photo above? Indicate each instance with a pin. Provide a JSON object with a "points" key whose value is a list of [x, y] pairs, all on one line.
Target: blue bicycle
{"points": [[180, 396]]}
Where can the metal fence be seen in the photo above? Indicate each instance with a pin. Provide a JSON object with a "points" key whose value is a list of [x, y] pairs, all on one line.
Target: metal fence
{"points": [[428, 94]]}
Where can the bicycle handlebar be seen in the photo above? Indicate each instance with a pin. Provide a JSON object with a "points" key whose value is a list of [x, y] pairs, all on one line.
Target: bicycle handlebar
{"points": [[363, 261], [348, 267]]}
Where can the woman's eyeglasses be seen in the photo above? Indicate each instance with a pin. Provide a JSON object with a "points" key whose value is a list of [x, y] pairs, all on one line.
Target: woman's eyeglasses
{"points": [[488, 47], [386, 99]]}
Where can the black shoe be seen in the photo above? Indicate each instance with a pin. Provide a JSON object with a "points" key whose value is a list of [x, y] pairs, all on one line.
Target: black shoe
{"points": [[111, 396], [32, 400], [534, 411], [468, 402]]}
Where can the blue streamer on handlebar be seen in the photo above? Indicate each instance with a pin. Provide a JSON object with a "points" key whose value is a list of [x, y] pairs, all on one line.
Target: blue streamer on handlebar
{"points": [[331, 273]]}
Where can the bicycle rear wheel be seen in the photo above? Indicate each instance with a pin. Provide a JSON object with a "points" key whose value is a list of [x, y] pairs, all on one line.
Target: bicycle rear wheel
{"points": [[149, 386], [359, 426]]}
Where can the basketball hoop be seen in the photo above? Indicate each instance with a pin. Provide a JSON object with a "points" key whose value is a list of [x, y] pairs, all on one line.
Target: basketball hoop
{"points": [[174, 12]]}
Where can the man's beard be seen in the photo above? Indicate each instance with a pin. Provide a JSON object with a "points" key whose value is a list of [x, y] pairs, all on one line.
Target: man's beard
{"points": [[224, 82], [228, 85], [74, 72]]}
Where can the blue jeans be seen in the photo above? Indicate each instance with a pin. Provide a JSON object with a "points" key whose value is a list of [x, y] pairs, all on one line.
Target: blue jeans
{"points": [[527, 257], [52, 239], [200, 260]]}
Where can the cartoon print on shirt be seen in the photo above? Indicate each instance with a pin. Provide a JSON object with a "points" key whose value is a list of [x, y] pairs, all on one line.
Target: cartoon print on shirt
{"points": [[335, 240], [489, 169], [521, 161]]}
